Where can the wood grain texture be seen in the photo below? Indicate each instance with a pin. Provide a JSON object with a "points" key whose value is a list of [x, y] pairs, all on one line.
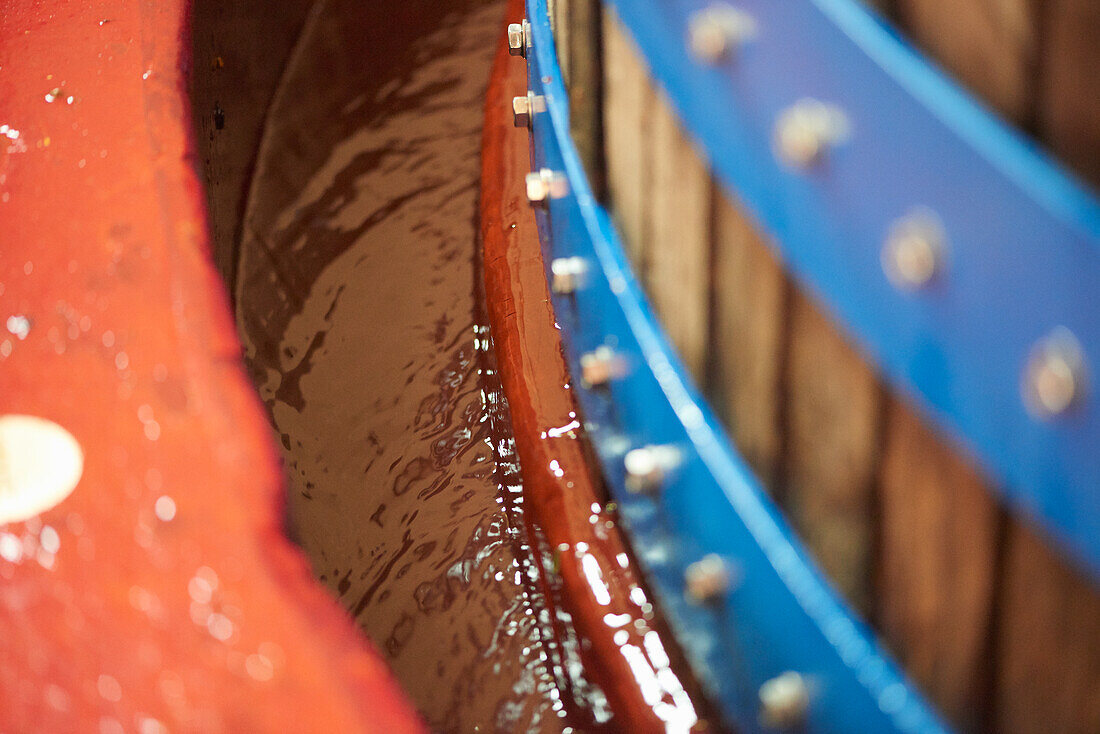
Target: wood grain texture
{"points": [[1048, 674], [745, 370], [678, 276], [563, 32], [585, 82], [1069, 118], [833, 422], [938, 566], [988, 45], [627, 99]]}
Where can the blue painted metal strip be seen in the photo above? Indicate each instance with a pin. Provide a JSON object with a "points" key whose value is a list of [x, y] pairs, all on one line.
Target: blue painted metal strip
{"points": [[1023, 251], [780, 615]]}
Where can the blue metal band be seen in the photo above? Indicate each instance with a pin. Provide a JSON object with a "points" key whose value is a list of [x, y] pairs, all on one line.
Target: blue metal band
{"points": [[779, 615], [1022, 255]]}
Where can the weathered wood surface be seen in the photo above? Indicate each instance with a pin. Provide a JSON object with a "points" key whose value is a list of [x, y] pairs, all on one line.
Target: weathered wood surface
{"points": [[940, 534], [988, 45], [1001, 634], [628, 97], [832, 433], [748, 337], [579, 43], [678, 277], [1069, 87]]}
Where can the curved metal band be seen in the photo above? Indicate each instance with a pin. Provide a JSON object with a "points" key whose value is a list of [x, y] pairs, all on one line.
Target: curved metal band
{"points": [[777, 614], [1022, 239]]}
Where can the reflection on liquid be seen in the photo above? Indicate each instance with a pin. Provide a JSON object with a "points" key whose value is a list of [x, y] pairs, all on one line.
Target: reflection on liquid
{"points": [[358, 306], [357, 300]]}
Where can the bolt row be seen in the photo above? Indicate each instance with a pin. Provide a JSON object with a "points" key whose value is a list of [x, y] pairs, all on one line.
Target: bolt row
{"points": [[785, 698], [912, 257], [915, 250]]}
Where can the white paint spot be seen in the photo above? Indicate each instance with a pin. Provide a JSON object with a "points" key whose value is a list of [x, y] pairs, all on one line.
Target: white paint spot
{"points": [[149, 725], [165, 507], [40, 465], [109, 688], [259, 667], [220, 627], [19, 326], [49, 540]]}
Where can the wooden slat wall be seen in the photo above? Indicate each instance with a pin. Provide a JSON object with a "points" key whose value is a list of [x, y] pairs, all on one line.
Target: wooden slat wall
{"points": [[628, 97], [577, 36], [989, 45], [832, 449], [678, 274], [992, 624], [1069, 85], [941, 534], [748, 338]]}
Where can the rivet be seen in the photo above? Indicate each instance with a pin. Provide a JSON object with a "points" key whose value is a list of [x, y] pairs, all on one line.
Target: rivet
{"points": [[784, 700], [914, 250], [716, 31], [518, 38], [647, 466], [1054, 380], [600, 367], [566, 273], [40, 465], [545, 184], [806, 129], [707, 579]]}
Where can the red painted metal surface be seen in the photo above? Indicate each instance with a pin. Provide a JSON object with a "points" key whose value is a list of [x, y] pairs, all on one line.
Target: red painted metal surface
{"points": [[121, 610], [626, 653]]}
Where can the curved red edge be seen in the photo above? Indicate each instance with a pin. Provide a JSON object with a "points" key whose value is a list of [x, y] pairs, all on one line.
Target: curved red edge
{"points": [[626, 655], [118, 614]]}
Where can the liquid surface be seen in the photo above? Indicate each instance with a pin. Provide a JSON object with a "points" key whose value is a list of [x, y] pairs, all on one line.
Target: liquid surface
{"points": [[357, 303]]}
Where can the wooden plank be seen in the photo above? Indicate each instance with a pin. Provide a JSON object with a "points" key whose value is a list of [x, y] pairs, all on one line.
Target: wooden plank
{"points": [[559, 24], [1069, 117], [626, 101], [989, 45], [940, 531], [1049, 667], [585, 87], [745, 370], [831, 457], [678, 274]]}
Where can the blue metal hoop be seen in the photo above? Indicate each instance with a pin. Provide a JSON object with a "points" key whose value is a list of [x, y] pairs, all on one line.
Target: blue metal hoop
{"points": [[1022, 254], [779, 614]]}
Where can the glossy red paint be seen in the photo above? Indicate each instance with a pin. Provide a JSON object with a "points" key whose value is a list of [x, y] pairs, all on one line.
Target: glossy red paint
{"points": [[204, 618], [626, 655]]}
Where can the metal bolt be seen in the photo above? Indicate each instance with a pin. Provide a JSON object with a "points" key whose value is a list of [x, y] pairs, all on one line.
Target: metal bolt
{"points": [[600, 367], [707, 579], [521, 111], [806, 129], [717, 31], [914, 250], [1054, 380], [647, 466], [525, 108], [518, 35], [545, 184], [566, 273], [784, 700]]}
